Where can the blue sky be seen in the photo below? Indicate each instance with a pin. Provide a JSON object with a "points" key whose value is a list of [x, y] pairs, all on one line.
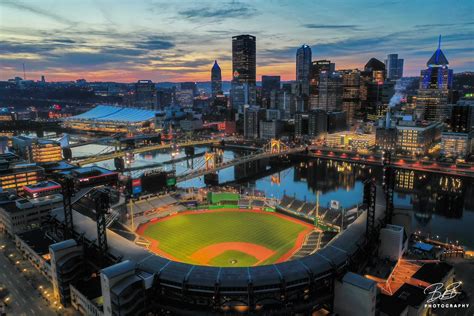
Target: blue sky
{"points": [[179, 40]]}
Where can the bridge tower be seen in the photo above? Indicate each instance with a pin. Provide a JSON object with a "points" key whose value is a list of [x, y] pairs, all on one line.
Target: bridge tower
{"points": [[213, 159], [276, 146]]}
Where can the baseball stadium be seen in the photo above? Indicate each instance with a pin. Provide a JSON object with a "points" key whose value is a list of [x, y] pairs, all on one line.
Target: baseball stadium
{"points": [[206, 253], [228, 230], [226, 236]]}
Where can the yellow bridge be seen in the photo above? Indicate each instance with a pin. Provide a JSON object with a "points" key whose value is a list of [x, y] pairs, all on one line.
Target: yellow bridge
{"points": [[122, 153]]}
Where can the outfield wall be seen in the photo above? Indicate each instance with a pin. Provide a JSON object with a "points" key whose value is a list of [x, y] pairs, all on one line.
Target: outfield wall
{"points": [[218, 197], [287, 288]]}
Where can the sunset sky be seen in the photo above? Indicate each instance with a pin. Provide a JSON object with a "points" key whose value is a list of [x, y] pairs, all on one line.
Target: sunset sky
{"points": [[178, 40]]}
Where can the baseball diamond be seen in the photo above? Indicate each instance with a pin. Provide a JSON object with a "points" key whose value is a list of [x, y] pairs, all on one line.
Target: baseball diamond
{"points": [[226, 237]]}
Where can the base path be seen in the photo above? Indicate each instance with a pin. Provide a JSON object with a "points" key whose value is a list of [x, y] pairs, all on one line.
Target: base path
{"points": [[204, 255]]}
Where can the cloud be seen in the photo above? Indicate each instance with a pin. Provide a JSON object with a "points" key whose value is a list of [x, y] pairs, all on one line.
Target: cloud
{"points": [[370, 46], [156, 43], [62, 41], [443, 24], [225, 10], [38, 11], [331, 26]]}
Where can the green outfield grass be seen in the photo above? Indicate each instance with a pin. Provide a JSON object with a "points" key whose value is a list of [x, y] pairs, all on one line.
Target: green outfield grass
{"points": [[233, 258], [182, 235]]}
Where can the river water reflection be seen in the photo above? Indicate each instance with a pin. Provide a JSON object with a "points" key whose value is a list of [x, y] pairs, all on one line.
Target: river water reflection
{"points": [[439, 205]]}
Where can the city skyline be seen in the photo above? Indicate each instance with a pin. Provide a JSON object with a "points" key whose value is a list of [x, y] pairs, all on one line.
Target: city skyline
{"points": [[101, 42]]}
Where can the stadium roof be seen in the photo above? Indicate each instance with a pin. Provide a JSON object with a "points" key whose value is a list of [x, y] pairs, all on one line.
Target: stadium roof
{"points": [[103, 112]]}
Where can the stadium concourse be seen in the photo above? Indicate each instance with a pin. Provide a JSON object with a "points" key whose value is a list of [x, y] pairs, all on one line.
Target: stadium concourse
{"points": [[112, 119]]}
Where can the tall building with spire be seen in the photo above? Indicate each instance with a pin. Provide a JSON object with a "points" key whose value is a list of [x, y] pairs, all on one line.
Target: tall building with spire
{"points": [[303, 67], [216, 79], [434, 91]]}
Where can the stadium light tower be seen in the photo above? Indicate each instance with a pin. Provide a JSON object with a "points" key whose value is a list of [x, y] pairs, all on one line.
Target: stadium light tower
{"points": [[67, 185], [102, 206]]}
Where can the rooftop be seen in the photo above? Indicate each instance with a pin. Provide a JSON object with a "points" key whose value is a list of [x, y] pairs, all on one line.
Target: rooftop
{"points": [[37, 240], [390, 305], [433, 272], [19, 167], [42, 186], [112, 113], [410, 295], [359, 281]]}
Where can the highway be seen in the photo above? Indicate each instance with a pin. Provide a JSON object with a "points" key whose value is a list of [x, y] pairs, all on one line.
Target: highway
{"points": [[407, 163]]}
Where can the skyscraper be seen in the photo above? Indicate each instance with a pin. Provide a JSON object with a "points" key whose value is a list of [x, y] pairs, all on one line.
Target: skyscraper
{"points": [[244, 59], [243, 71], [216, 79], [145, 95], [252, 117], [462, 116], [316, 68], [269, 84], [303, 67], [350, 94], [375, 90], [435, 87], [394, 66], [330, 91]]}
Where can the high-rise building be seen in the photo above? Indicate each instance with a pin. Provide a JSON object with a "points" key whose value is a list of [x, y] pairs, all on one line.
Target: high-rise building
{"points": [[435, 87], [375, 91], [303, 67], [317, 67], [216, 79], [242, 94], [317, 123], [244, 59], [269, 84], [252, 117], [394, 66], [330, 91], [145, 95], [350, 94], [190, 85], [286, 103], [462, 116], [270, 129], [301, 124], [165, 96], [185, 95]]}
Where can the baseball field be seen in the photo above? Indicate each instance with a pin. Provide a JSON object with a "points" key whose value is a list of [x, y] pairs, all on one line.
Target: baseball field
{"points": [[226, 237]]}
